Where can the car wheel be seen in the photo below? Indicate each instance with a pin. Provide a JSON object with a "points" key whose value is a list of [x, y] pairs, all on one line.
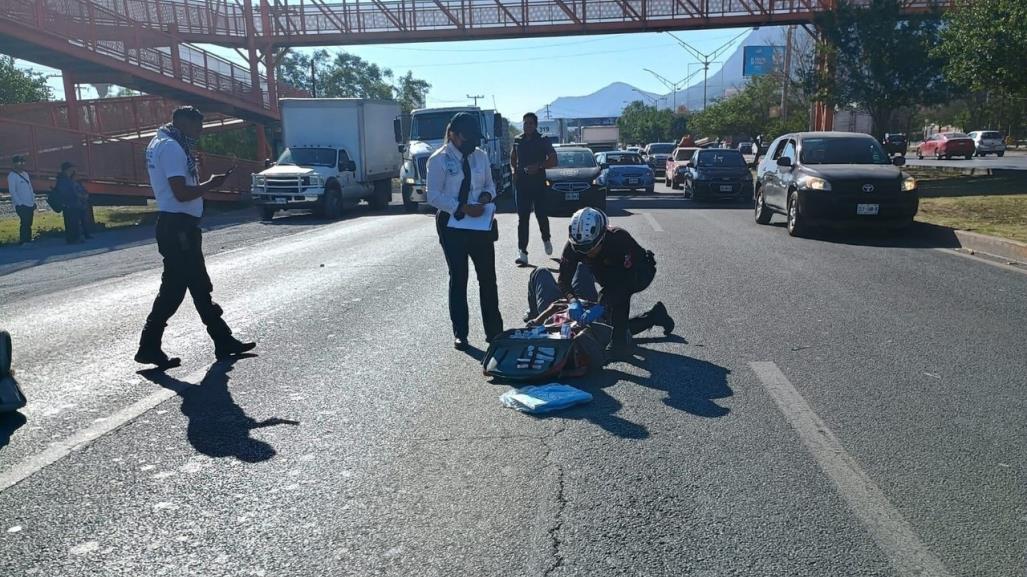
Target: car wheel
{"points": [[969, 157], [5, 354], [760, 210], [795, 224], [919, 154], [1000, 154], [406, 192], [331, 204], [650, 189], [267, 213]]}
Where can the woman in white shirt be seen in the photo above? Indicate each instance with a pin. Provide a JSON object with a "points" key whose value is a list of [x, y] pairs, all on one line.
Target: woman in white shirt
{"points": [[23, 197], [460, 185]]}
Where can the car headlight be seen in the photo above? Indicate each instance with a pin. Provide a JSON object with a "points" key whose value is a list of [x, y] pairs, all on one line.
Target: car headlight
{"points": [[548, 183], [908, 184], [410, 180], [316, 180], [814, 183], [259, 180]]}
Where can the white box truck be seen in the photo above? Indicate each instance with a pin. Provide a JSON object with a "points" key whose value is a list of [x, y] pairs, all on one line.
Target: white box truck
{"points": [[428, 132], [338, 152], [601, 138]]}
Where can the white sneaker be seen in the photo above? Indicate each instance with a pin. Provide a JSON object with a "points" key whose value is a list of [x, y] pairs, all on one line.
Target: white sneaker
{"points": [[549, 248], [522, 258]]}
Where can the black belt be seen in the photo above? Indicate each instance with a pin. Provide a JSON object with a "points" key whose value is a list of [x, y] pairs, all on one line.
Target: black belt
{"points": [[178, 218]]}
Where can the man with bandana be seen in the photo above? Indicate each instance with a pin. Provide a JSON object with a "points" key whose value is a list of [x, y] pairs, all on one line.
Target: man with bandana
{"points": [[176, 187]]}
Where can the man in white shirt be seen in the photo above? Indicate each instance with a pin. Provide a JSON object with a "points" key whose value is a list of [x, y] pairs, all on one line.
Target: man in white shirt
{"points": [[179, 194], [22, 196]]}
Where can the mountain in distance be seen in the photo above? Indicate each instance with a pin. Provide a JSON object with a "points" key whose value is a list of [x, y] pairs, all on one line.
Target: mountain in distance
{"points": [[611, 100]]}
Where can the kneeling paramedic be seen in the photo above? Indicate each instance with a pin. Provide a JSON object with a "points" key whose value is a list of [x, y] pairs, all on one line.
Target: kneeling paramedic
{"points": [[620, 266]]}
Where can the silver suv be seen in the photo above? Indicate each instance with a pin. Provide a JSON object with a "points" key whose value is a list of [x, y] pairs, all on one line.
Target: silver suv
{"points": [[987, 142]]}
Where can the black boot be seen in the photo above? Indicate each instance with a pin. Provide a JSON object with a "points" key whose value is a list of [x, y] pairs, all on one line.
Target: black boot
{"points": [[620, 348], [228, 347], [662, 318], [150, 352]]}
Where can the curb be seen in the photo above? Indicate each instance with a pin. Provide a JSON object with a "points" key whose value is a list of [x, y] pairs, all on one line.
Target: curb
{"points": [[1008, 250]]}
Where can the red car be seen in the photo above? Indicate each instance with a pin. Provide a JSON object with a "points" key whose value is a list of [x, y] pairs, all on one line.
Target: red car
{"points": [[946, 145], [674, 176]]}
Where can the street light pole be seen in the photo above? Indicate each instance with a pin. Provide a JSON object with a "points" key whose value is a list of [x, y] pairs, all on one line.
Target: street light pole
{"points": [[705, 59], [673, 86]]}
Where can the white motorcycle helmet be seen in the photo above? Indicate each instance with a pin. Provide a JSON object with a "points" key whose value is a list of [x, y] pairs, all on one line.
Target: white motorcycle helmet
{"points": [[587, 229]]}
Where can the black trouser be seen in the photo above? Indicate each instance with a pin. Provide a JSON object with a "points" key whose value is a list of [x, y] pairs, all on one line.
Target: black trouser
{"points": [[543, 291], [25, 214], [72, 224], [86, 220], [179, 241], [458, 245], [531, 194]]}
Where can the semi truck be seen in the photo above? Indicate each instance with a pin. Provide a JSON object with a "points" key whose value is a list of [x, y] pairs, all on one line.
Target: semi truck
{"points": [[338, 151], [427, 132]]}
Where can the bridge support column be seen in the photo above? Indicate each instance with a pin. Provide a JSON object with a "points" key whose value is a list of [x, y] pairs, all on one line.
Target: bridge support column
{"points": [[263, 151], [823, 113], [71, 98]]}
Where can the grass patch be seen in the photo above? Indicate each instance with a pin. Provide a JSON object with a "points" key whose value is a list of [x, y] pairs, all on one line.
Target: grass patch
{"points": [[937, 183], [995, 215], [50, 224]]}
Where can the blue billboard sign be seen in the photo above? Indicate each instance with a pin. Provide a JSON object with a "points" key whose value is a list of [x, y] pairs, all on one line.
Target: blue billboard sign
{"points": [[762, 60]]}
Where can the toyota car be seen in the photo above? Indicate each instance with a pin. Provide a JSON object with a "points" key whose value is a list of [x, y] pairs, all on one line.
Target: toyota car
{"points": [[833, 179]]}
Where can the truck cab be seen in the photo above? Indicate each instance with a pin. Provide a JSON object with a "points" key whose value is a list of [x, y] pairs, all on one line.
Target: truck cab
{"points": [[428, 133]]}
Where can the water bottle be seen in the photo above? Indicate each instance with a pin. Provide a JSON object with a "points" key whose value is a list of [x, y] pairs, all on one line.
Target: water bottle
{"points": [[565, 331]]}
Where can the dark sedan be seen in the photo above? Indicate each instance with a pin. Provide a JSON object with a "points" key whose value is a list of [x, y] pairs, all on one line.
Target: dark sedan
{"points": [[833, 179], [572, 184], [718, 174]]}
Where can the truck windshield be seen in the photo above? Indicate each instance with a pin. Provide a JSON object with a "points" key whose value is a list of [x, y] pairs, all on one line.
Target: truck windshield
{"points": [[430, 125], [308, 157]]}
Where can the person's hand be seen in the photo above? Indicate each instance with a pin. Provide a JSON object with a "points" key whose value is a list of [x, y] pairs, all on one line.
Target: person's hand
{"points": [[474, 210], [485, 198]]}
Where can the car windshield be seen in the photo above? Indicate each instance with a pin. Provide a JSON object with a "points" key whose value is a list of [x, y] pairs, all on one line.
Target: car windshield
{"points": [[951, 135], [661, 148], [721, 159], [684, 153], [308, 157], [623, 159], [846, 150], [430, 125], [575, 159], [992, 135]]}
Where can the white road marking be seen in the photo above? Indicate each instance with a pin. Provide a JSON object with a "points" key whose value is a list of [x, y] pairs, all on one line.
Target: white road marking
{"points": [[34, 463], [985, 259], [893, 534], [652, 221]]}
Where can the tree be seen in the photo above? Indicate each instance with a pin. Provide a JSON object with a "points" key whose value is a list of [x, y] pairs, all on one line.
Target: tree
{"points": [[752, 111], [349, 76], [883, 59], [984, 44], [17, 86], [641, 123]]}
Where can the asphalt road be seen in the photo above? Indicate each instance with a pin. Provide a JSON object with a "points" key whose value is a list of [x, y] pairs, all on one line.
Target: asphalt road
{"points": [[1013, 160], [845, 405]]}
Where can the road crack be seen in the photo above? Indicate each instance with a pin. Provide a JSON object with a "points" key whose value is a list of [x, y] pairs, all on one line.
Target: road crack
{"points": [[556, 544]]}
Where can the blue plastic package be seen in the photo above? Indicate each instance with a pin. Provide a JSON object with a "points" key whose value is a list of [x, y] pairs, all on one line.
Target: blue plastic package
{"points": [[575, 310], [544, 398], [591, 315]]}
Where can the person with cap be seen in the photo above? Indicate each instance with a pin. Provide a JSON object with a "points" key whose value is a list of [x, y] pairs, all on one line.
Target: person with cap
{"points": [[67, 192], [23, 197], [531, 156], [620, 266], [174, 178], [460, 185]]}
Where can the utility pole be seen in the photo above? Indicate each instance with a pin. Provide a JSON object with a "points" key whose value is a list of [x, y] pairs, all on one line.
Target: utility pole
{"points": [[475, 99], [313, 79], [548, 116], [706, 59], [787, 76]]}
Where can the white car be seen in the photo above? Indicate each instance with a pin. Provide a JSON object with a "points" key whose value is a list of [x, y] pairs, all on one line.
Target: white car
{"points": [[988, 142]]}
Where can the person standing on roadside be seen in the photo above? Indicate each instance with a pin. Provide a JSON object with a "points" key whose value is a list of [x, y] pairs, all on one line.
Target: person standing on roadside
{"points": [[70, 199], [460, 185], [85, 212], [174, 178], [531, 156], [23, 197]]}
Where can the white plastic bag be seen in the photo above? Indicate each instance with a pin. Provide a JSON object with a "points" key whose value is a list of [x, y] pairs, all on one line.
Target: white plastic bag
{"points": [[544, 398]]}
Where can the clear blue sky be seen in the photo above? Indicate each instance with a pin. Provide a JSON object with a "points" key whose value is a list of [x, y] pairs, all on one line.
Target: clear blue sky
{"points": [[526, 74]]}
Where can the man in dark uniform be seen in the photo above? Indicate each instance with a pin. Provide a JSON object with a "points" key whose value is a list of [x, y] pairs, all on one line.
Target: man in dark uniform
{"points": [[179, 194], [532, 155]]}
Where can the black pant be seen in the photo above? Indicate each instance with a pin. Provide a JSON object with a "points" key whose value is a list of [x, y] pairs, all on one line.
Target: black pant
{"points": [[25, 214], [531, 194], [86, 220], [616, 299], [179, 241], [458, 245], [72, 224]]}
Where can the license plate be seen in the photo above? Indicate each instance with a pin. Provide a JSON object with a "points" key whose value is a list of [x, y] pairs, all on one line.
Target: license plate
{"points": [[632, 181], [276, 201], [571, 195], [726, 188], [868, 208]]}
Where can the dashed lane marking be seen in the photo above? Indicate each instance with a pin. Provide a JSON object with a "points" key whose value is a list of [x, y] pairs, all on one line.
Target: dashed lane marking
{"points": [[652, 221], [893, 534]]}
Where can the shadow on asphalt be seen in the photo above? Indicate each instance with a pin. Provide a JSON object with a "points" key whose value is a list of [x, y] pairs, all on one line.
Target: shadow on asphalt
{"points": [[9, 423], [218, 427], [919, 235], [691, 386]]}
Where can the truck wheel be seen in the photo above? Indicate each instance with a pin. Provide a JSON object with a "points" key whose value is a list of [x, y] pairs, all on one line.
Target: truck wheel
{"points": [[382, 195], [331, 204], [267, 213], [408, 205], [5, 354]]}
